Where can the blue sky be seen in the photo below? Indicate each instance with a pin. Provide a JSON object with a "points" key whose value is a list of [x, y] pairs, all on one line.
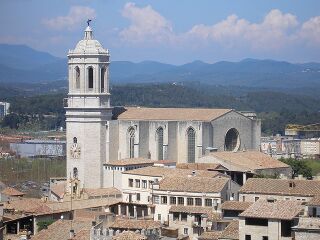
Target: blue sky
{"points": [[170, 31]]}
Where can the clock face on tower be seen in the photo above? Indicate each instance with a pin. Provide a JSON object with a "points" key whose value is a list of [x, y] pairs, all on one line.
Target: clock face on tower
{"points": [[75, 150]]}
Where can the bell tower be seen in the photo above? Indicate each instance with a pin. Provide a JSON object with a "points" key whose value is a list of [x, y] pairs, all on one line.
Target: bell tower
{"points": [[87, 111]]}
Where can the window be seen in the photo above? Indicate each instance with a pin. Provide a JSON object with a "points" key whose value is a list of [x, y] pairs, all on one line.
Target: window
{"points": [[130, 184], [286, 228], [75, 140], [131, 133], [180, 201], [173, 200], [156, 199], [243, 198], [185, 231], [198, 202], [257, 221], [160, 143], [137, 183], [90, 77], [75, 172], [138, 196], [265, 238], [130, 197], [159, 217], [77, 70], [256, 199], [248, 237], [175, 216], [164, 199], [208, 202], [150, 184], [232, 140], [190, 201], [103, 71], [144, 183], [191, 145], [184, 217]]}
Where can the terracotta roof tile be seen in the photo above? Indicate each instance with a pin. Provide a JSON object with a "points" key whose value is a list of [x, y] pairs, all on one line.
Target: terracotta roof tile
{"points": [[308, 223], [248, 160], [172, 114], [165, 171], [95, 192], [82, 235], [210, 235], [235, 205], [231, 231], [199, 166], [38, 207], [288, 187], [129, 235], [59, 189], [60, 230], [315, 201], [283, 210], [130, 161], [193, 184], [134, 224], [9, 191]]}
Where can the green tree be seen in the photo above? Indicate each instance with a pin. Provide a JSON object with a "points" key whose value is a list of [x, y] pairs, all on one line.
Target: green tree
{"points": [[299, 167]]}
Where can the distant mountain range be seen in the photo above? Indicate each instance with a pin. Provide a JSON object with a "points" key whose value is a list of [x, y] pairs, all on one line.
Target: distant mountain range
{"points": [[22, 64]]}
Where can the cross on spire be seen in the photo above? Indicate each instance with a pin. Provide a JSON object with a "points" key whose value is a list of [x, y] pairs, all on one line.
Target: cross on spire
{"points": [[88, 22]]}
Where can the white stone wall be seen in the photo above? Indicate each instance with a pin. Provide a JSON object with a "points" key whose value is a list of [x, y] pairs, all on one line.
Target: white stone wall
{"points": [[163, 209], [249, 130], [87, 116], [145, 193], [273, 230], [306, 235], [175, 136]]}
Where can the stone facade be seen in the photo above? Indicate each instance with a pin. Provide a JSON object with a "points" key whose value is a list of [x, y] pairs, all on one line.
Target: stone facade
{"points": [[96, 136]]}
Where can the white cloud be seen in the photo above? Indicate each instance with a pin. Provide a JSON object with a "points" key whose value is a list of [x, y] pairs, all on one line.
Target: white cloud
{"points": [[310, 31], [272, 32], [146, 24], [75, 17]]}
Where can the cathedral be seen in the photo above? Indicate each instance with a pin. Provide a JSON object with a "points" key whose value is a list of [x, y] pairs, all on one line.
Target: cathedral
{"points": [[98, 133]]}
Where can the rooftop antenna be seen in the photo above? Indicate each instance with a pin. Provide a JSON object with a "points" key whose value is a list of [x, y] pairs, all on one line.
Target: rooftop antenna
{"points": [[88, 22]]}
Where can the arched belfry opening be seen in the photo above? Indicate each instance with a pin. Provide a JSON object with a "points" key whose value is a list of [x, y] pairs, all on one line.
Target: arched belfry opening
{"points": [[90, 78], [102, 79], [232, 140], [77, 77], [191, 147]]}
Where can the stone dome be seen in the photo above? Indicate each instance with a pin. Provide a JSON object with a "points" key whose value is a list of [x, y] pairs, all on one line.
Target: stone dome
{"points": [[88, 45]]}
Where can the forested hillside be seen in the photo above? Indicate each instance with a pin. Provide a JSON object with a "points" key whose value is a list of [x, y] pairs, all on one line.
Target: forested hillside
{"points": [[276, 109]]}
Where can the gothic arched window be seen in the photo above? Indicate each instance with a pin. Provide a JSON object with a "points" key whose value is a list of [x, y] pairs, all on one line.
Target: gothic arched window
{"points": [[131, 135], [77, 72], [160, 143], [75, 140], [75, 172], [191, 145], [90, 77], [102, 80]]}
